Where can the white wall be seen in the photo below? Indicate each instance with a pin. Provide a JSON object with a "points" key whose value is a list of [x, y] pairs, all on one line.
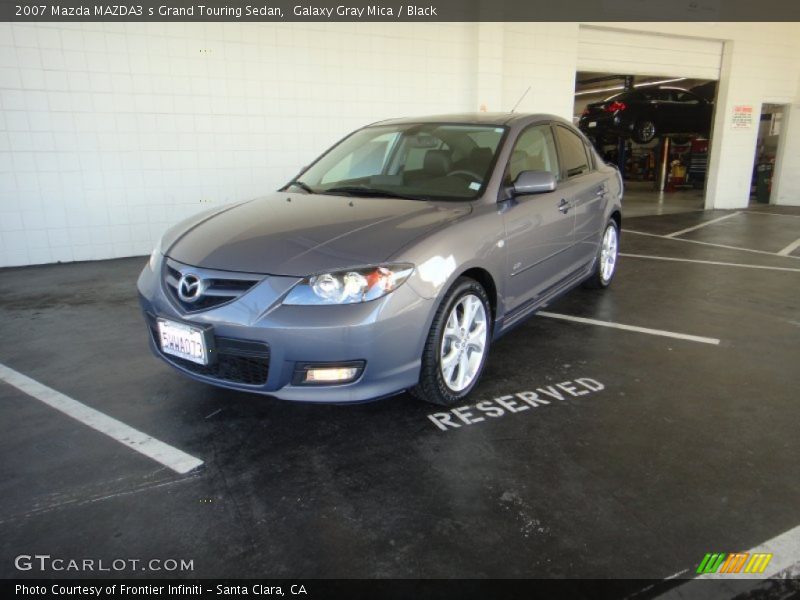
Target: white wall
{"points": [[527, 65], [541, 56], [109, 133]]}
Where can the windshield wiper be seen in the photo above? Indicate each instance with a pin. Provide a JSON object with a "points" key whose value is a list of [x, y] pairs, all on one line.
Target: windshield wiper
{"points": [[302, 185], [356, 190]]}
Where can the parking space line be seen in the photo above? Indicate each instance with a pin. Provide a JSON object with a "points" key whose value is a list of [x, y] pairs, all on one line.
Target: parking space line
{"points": [[701, 225], [660, 332], [674, 239], [709, 262], [770, 214], [790, 248], [785, 551], [170, 457]]}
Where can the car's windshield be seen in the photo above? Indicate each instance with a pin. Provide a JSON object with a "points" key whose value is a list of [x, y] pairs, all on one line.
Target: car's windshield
{"points": [[419, 161]]}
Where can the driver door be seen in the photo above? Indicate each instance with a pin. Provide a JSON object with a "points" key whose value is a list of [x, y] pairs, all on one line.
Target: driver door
{"points": [[539, 229]]}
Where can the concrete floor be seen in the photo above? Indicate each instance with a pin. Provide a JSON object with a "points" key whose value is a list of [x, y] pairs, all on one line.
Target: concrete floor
{"points": [[642, 199], [689, 448]]}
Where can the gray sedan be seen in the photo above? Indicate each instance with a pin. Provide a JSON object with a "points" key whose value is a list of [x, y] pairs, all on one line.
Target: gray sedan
{"points": [[390, 263]]}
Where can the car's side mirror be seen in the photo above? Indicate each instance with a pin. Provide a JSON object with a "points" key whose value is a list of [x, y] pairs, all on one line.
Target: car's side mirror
{"points": [[534, 182]]}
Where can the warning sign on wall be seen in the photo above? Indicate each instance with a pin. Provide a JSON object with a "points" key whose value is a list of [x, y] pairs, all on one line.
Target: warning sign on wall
{"points": [[742, 117]]}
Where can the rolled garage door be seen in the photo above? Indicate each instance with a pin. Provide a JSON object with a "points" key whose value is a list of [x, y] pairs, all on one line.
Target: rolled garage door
{"points": [[614, 51]]}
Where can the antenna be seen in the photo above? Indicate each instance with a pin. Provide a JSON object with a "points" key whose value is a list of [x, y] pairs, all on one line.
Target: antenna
{"points": [[525, 93]]}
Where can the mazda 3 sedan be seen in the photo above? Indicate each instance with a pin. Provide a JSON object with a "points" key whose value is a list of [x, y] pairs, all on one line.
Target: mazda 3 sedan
{"points": [[391, 263]]}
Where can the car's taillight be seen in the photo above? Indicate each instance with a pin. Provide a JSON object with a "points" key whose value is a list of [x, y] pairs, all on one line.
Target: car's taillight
{"points": [[585, 112], [615, 106]]}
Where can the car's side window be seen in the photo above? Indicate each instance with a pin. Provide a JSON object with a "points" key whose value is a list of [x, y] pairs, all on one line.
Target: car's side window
{"points": [[591, 154], [665, 96], [575, 159], [534, 150]]}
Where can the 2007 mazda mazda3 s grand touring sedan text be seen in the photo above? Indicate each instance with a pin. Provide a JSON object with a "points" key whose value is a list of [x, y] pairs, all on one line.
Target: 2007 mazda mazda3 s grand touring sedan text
{"points": [[390, 263]]}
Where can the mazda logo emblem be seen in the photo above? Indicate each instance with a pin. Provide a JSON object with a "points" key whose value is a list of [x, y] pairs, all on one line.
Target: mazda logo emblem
{"points": [[190, 287]]}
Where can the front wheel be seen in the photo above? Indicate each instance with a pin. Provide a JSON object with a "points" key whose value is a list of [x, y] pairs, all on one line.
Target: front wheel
{"points": [[457, 345], [606, 261]]}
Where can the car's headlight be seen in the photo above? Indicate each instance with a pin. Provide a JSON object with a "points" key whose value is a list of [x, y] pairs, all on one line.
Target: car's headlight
{"points": [[350, 286]]}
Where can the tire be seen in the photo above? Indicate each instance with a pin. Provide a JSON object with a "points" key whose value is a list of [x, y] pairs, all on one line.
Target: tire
{"points": [[644, 131], [602, 277], [434, 386]]}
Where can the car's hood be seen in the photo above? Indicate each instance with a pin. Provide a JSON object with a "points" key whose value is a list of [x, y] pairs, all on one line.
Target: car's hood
{"points": [[301, 234]]}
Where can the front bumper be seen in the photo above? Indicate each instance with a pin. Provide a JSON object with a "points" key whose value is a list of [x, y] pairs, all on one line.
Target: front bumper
{"points": [[260, 342]]}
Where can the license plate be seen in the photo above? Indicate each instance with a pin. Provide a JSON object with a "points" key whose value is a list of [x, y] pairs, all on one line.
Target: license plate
{"points": [[183, 341], [592, 124]]}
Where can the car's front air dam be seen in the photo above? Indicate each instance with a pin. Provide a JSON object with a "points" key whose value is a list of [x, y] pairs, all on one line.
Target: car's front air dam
{"points": [[388, 334]]}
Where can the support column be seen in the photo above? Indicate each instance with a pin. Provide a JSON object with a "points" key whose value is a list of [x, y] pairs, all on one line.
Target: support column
{"points": [[732, 152], [786, 177]]}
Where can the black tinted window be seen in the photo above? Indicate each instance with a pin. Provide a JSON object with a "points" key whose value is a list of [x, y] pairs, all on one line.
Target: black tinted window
{"points": [[686, 98], [629, 96], [664, 95], [574, 158]]}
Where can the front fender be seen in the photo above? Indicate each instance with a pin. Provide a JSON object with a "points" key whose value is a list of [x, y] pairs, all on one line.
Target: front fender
{"points": [[477, 242]]}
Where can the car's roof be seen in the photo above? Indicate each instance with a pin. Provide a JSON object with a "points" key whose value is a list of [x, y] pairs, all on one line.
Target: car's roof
{"points": [[474, 118]]}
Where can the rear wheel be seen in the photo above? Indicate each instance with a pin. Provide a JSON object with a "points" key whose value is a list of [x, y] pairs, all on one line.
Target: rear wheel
{"points": [[644, 131], [606, 262], [457, 345]]}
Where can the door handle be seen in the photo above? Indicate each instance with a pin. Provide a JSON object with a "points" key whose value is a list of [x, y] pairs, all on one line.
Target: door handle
{"points": [[564, 206], [601, 191]]}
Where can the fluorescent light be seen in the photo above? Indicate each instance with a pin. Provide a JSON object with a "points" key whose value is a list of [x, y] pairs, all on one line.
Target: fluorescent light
{"points": [[622, 87], [600, 90], [636, 85]]}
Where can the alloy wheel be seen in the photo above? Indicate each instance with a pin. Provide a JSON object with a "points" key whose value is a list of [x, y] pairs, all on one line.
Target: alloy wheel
{"points": [[608, 253], [463, 343]]}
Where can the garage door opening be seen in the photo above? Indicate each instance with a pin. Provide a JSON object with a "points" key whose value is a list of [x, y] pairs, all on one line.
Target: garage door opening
{"points": [[767, 148], [656, 129]]}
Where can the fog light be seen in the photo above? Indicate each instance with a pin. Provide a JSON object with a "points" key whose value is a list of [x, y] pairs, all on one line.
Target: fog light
{"points": [[330, 374], [327, 373]]}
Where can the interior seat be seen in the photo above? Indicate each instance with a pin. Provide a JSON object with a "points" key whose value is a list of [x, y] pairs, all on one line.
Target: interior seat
{"points": [[437, 163]]}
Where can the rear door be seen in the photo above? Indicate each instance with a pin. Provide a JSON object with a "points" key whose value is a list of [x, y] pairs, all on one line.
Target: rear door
{"points": [[583, 190], [539, 231]]}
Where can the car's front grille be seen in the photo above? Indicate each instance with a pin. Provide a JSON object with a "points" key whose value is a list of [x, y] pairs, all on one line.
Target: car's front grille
{"points": [[237, 361], [219, 287], [236, 369]]}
